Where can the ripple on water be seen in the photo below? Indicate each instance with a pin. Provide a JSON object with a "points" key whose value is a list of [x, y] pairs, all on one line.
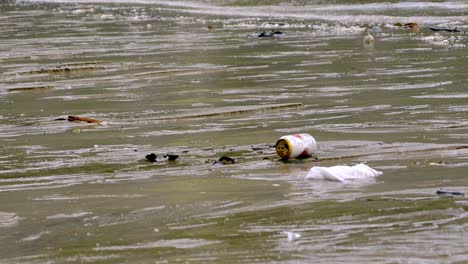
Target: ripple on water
{"points": [[72, 215], [8, 219], [443, 96], [181, 243]]}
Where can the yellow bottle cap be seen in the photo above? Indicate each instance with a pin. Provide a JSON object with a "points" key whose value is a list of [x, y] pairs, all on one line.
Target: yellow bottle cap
{"points": [[283, 149]]}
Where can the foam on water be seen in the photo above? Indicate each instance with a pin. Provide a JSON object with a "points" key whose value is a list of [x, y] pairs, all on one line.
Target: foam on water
{"points": [[176, 243], [34, 236], [8, 219], [73, 215], [314, 12], [446, 40]]}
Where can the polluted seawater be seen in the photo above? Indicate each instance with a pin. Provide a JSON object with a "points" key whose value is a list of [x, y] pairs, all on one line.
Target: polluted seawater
{"points": [[182, 78]]}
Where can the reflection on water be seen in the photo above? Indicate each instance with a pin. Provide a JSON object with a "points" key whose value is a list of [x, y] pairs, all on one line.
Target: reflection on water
{"points": [[182, 77]]}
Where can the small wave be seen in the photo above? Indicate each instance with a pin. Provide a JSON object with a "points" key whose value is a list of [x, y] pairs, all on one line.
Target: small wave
{"points": [[34, 236], [446, 41], [74, 215], [175, 243], [337, 13], [8, 219], [443, 96]]}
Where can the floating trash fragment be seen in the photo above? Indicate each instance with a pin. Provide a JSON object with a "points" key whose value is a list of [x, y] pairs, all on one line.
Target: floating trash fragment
{"points": [[412, 26], [31, 88], [437, 163], [297, 146], [151, 157], [368, 40], [457, 30], [291, 235], [226, 160], [451, 193], [343, 173], [83, 119], [61, 69], [154, 158], [264, 34], [171, 157]]}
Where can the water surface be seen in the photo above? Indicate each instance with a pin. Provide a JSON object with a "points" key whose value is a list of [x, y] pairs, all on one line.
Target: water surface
{"points": [[183, 77]]}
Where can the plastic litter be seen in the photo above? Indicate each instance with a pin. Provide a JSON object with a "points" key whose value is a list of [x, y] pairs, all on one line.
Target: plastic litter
{"points": [[412, 26], [154, 158], [151, 157], [291, 235], [343, 173], [297, 146], [368, 40], [457, 30], [226, 160], [449, 193], [264, 34], [83, 119]]}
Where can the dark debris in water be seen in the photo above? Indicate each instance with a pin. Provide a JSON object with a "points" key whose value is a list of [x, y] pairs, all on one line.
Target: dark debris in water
{"points": [[457, 30], [31, 88], [264, 34], [171, 157], [65, 68], [265, 147], [226, 160], [449, 193], [83, 119], [154, 158], [151, 157]]}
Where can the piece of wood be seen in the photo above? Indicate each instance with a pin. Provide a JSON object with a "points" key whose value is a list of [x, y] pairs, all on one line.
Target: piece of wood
{"points": [[31, 88], [83, 119]]}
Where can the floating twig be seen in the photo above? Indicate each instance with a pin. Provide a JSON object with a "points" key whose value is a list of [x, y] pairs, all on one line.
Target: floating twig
{"points": [[83, 119]]}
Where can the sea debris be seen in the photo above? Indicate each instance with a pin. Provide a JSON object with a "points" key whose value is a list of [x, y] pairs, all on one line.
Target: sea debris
{"points": [[297, 146], [291, 235], [171, 157], [151, 157], [83, 119], [82, 66], [154, 158], [343, 173], [368, 40], [450, 193], [226, 160], [412, 26], [446, 29], [264, 34], [31, 88]]}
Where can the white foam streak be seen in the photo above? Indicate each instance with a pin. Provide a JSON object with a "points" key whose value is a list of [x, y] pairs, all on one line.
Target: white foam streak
{"points": [[8, 219], [314, 12], [74, 215], [175, 243]]}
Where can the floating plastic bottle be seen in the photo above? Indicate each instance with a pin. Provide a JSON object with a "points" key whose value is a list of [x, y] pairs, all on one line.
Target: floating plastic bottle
{"points": [[297, 146]]}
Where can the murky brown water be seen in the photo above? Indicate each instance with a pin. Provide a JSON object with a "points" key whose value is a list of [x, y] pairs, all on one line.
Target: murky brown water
{"points": [[162, 81]]}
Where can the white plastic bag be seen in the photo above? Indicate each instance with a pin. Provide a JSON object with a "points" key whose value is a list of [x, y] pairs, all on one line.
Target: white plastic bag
{"points": [[343, 173]]}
